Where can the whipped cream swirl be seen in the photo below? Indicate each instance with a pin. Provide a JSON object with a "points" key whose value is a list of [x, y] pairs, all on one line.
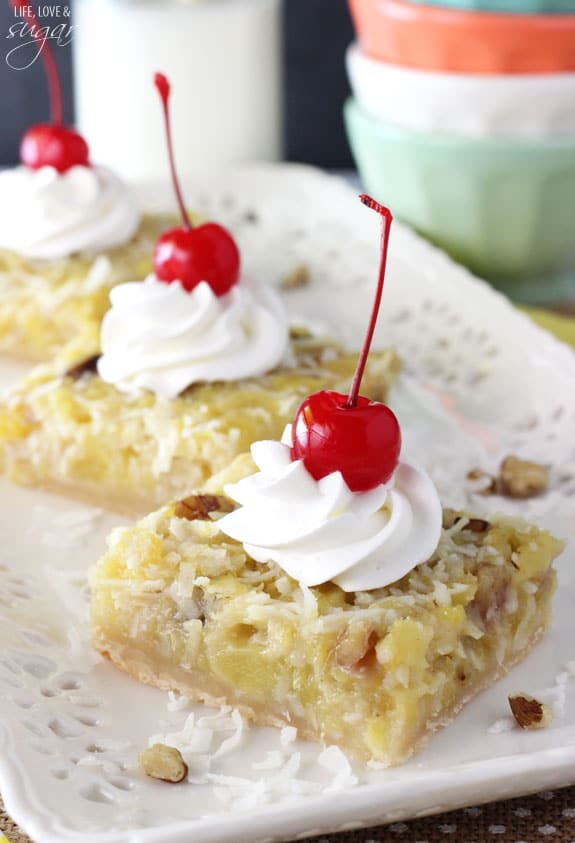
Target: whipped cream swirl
{"points": [[49, 215], [319, 531], [160, 337]]}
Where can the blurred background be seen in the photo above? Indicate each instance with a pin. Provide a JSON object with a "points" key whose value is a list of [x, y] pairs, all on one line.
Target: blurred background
{"points": [[314, 38], [458, 114]]}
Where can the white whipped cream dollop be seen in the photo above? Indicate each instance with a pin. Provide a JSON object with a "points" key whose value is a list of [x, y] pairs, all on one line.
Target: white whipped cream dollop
{"points": [[48, 215], [160, 337], [319, 531]]}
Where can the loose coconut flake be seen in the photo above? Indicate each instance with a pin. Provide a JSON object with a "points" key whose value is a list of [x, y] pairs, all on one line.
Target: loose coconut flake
{"points": [[505, 724], [288, 735], [177, 702], [205, 742], [234, 741], [334, 760]]}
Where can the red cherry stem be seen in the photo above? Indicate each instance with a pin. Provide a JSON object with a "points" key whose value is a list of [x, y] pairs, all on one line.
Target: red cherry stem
{"points": [[162, 84], [387, 218], [54, 84]]}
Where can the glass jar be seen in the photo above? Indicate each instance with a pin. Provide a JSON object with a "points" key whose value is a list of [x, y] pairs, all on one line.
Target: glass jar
{"points": [[224, 60]]}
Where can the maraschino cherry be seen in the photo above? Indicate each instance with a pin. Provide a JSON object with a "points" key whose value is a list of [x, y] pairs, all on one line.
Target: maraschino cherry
{"points": [[51, 144], [191, 254], [349, 433]]}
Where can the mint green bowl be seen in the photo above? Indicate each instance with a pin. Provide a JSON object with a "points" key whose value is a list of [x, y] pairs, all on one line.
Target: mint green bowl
{"points": [[519, 7], [504, 208]]}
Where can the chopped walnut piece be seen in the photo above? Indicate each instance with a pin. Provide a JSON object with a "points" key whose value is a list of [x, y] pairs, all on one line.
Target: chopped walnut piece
{"points": [[300, 332], [354, 647], [477, 525], [299, 276], [522, 479], [199, 507], [164, 763], [529, 712], [517, 479], [86, 367]]}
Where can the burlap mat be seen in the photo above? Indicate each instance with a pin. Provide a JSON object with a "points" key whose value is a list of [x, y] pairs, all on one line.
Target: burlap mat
{"points": [[545, 818]]}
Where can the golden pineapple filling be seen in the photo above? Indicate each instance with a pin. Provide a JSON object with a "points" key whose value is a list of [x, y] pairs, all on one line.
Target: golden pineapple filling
{"points": [[48, 304], [77, 434], [179, 605]]}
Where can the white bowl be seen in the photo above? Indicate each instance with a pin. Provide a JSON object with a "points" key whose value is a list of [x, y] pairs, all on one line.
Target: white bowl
{"points": [[513, 106]]}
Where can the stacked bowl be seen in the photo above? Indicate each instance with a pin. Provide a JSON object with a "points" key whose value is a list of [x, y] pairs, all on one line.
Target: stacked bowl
{"points": [[463, 122]]}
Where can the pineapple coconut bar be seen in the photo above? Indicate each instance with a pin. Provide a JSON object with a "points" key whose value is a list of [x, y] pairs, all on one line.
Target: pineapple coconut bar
{"points": [[74, 433], [197, 362], [318, 583], [69, 232], [48, 303], [178, 604]]}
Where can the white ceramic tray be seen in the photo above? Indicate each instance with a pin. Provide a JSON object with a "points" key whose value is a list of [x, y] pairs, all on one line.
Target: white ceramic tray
{"points": [[481, 382]]}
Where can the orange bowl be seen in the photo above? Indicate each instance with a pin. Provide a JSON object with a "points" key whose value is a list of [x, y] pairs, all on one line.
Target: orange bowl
{"points": [[435, 38]]}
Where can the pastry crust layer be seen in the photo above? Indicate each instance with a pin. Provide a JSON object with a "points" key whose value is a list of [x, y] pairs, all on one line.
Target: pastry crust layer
{"points": [[201, 687]]}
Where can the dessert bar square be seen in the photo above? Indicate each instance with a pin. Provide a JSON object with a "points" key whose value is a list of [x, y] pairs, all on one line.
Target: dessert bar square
{"points": [[179, 605], [79, 435], [47, 304]]}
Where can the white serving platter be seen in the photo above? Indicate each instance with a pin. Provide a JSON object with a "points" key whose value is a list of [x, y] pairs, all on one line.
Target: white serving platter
{"points": [[481, 382]]}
